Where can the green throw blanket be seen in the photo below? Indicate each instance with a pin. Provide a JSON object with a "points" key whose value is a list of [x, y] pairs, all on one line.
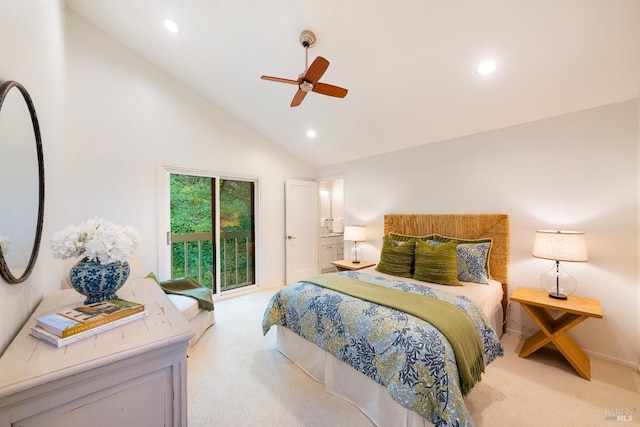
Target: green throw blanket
{"points": [[452, 321], [190, 288]]}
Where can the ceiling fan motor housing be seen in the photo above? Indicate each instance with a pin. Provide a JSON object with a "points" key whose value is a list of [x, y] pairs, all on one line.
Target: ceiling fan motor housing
{"points": [[306, 86]]}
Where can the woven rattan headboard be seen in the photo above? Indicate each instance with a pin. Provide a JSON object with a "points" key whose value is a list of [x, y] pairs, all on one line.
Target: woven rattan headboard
{"points": [[465, 226]]}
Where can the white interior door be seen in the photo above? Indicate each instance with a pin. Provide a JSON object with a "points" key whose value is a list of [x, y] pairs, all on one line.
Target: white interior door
{"points": [[301, 229]]}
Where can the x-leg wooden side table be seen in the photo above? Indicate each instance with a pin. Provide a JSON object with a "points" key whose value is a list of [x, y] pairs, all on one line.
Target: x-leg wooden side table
{"points": [[537, 304]]}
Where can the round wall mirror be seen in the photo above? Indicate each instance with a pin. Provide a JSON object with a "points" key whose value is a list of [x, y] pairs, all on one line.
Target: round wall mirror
{"points": [[21, 183]]}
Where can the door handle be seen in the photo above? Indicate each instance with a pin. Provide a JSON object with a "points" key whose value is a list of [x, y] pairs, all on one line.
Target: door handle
{"points": [[291, 237]]}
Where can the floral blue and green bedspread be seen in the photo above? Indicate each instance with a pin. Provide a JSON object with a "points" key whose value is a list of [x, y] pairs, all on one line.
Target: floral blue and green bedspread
{"points": [[407, 355]]}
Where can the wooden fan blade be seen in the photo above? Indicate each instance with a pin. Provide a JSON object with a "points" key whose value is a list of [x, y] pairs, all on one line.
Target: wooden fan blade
{"points": [[330, 90], [298, 97], [316, 70], [281, 80]]}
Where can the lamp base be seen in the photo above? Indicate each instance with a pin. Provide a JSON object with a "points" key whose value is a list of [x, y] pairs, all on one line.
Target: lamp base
{"points": [[556, 295], [558, 283], [356, 253]]}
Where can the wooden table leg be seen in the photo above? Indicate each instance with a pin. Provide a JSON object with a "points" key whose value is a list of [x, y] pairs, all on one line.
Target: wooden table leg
{"points": [[544, 320], [574, 354], [555, 331]]}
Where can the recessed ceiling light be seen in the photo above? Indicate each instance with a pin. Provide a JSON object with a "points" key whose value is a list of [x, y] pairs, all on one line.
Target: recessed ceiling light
{"points": [[171, 26], [486, 67], [311, 133]]}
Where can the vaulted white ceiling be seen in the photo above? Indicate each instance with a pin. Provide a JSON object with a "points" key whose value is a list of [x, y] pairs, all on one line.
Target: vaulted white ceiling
{"points": [[409, 65]]}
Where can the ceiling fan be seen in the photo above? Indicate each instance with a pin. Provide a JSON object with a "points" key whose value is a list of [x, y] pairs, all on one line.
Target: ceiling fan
{"points": [[308, 80]]}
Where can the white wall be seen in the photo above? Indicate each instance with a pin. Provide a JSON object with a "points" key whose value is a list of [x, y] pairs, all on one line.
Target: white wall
{"points": [[32, 53], [109, 118], [578, 171]]}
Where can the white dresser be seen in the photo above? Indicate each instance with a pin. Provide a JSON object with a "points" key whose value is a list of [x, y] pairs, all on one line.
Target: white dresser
{"points": [[133, 375]]}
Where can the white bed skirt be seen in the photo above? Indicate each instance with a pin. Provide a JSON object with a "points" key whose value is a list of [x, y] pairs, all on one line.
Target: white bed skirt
{"points": [[342, 380]]}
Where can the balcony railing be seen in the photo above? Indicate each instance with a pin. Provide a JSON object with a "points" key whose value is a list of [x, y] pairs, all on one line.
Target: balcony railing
{"points": [[236, 258]]}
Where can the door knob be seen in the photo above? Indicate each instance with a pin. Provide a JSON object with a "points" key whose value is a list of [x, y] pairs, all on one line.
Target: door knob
{"points": [[291, 237]]}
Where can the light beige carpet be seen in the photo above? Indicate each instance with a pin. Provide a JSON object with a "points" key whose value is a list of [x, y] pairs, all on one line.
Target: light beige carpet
{"points": [[236, 377]]}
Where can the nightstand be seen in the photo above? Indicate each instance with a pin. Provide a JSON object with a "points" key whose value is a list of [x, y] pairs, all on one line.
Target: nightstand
{"points": [[347, 265], [537, 304]]}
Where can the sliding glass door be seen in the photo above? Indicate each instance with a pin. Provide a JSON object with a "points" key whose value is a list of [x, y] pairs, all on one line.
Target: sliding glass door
{"points": [[237, 234], [212, 230]]}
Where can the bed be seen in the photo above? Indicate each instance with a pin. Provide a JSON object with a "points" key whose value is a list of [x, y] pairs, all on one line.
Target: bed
{"points": [[397, 369]]}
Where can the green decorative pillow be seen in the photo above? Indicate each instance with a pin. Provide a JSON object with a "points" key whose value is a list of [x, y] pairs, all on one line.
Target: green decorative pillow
{"points": [[406, 238], [437, 264], [472, 259], [396, 258], [444, 239]]}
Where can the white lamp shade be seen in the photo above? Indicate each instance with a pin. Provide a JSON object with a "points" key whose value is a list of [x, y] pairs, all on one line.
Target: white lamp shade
{"points": [[355, 233], [560, 245]]}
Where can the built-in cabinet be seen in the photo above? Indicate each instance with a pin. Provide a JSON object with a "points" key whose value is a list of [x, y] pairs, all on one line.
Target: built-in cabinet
{"points": [[331, 249]]}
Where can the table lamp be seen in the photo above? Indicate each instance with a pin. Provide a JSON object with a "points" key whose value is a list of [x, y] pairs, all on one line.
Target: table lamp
{"points": [[559, 246], [355, 234]]}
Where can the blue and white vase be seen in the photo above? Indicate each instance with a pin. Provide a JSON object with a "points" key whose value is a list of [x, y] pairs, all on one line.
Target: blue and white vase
{"points": [[98, 282]]}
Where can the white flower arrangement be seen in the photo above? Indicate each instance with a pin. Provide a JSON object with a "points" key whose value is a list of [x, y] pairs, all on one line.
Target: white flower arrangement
{"points": [[5, 242], [96, 239]]}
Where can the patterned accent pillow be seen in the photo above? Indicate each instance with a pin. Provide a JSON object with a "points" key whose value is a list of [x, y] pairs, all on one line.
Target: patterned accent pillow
{"points": [[472, 259], [396, 258], [489, 240], [437, 264]]}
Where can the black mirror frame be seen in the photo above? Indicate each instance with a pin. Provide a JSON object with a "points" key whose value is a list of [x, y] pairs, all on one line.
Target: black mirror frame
{"points": [[5, 272]]}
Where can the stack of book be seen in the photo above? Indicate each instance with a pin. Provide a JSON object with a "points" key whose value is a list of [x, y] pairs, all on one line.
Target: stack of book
{"points": [[69, 326]]}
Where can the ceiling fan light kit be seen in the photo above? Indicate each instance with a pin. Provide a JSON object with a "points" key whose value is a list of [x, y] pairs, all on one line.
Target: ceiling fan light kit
{"points": [[309, 79]]}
